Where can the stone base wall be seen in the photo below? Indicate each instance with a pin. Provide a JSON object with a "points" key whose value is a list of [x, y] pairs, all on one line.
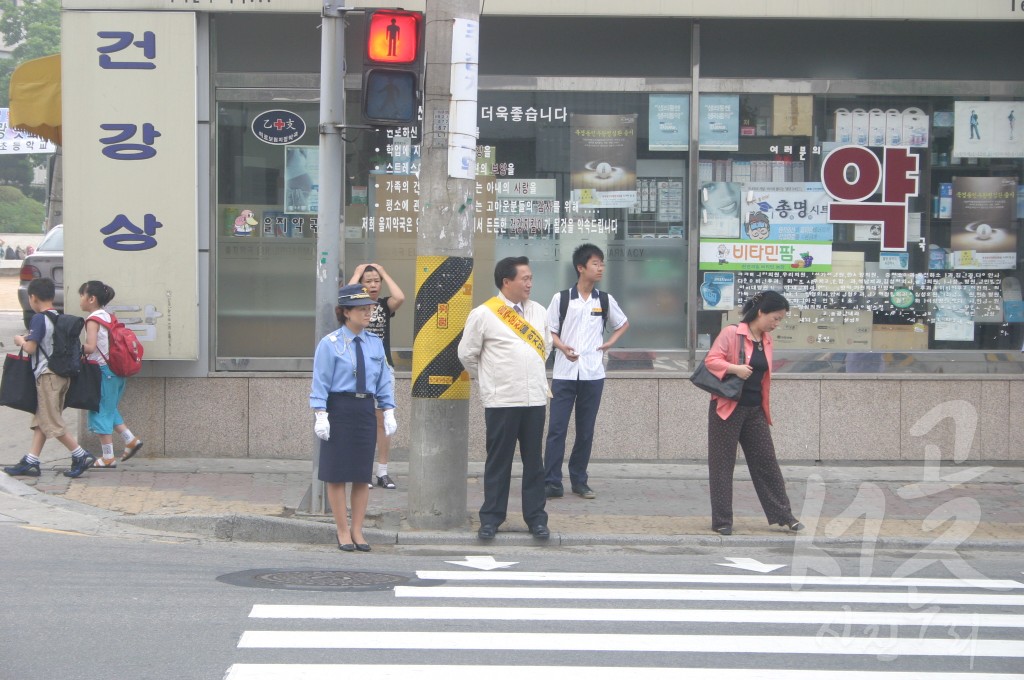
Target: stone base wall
{"points": [[815, 418]]}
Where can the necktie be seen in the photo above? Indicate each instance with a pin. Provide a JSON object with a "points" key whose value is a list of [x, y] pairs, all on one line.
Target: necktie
{"points": [[519, 310], [360, 366]]}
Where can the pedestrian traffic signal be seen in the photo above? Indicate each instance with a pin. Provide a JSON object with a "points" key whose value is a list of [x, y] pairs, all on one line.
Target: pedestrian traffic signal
{"points": [[392, 64]]}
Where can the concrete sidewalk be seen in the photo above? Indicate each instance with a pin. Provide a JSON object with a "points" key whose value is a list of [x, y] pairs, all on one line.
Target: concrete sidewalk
{"points": [[638, 503]]}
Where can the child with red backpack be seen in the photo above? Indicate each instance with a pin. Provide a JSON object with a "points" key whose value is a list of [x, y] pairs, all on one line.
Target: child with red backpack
{"points": [[102, 336]]}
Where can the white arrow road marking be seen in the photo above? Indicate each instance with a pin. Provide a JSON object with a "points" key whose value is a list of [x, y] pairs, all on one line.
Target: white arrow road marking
{"points": [[245, 671], [613, 642], [751, 564], [485, 562]]}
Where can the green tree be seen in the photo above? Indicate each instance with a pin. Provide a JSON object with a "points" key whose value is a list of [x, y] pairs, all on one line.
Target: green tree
{"points": [[33, 27]]}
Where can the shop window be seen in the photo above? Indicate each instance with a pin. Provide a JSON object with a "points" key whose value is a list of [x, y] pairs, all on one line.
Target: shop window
{"points": [[265, 231]]}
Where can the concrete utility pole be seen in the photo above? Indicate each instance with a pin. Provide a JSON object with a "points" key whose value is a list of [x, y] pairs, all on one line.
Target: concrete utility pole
{"points": [[439, 431], [332, 193]]}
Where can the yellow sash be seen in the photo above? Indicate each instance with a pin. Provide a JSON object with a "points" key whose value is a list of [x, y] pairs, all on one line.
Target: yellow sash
{"points": [[518, 324]]}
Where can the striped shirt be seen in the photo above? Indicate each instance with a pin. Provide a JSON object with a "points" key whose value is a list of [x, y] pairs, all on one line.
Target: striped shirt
{"points": [[584, 332]]}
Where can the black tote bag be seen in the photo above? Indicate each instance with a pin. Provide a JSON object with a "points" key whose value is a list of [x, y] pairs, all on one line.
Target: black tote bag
{"points": [[18, 386], [84, 391], [730, 387]]}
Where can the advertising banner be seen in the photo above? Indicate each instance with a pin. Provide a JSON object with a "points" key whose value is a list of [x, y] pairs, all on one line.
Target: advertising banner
{"points": [[18, 141], [130, 185], [791, 211], [719, 123], [669, 122], [984, 226], [737, 255], [718, 292], [602, 155]]}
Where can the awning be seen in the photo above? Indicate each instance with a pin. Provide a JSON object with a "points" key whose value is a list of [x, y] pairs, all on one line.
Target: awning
{"points": [[35, 98]]}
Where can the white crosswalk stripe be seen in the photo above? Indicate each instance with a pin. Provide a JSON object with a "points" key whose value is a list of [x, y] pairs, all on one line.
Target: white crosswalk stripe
{"points": [[959, 620]]}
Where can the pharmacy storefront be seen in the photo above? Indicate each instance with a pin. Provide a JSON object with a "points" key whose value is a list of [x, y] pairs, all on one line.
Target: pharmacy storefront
{"points": [[869, 168]]}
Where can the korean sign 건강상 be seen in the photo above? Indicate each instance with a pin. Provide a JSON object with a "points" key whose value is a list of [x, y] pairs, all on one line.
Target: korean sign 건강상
{"points": [[131, 172]]}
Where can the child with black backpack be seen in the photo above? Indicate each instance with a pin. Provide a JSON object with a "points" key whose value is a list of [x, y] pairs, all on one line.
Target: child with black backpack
{"points": [[93, 297], [50, 386]]}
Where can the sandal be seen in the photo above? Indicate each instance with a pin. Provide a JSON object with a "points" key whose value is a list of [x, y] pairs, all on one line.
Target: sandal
{"points": [[131, 448], [105, 463]]}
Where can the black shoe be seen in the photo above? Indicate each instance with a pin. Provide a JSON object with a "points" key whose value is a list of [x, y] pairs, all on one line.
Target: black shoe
{"points": [[540, 531], [724, 531], [386, 482], [23, 469], [795, 525], [487, 532], [346, 547], [363, 547], [553, 491], [79, 465], [583, 491]]}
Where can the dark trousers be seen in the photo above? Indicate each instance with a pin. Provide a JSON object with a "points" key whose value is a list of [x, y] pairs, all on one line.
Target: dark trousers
{"points": [[748, 427], [586, 395], [506, 427]]}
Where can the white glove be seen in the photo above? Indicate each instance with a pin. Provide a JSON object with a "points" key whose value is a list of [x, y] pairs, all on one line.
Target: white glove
{"points": [[390, 424], [322, 427]]}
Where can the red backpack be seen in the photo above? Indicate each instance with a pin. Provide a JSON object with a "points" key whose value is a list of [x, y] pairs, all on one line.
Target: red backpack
{"points": [[125, 349]]}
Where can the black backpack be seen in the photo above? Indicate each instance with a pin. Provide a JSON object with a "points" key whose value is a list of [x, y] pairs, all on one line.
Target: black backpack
{"points": [[66, 359], [563, 307]]}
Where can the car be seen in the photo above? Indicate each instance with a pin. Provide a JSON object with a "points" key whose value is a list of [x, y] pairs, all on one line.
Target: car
{"points": [[47, 261]]}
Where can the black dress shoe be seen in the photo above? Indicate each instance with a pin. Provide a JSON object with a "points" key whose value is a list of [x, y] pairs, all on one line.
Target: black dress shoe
{"points": [[540, 531], [487, 532], [363, 547], [346, 547], [796, 525], [724, 531]]}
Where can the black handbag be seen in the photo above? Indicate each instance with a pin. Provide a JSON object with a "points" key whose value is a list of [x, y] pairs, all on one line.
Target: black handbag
{"points": [[18, 386], [730, 387], [84, 391]]}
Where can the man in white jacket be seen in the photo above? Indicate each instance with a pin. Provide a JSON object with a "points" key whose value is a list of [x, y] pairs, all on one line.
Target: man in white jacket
{"points": [[504, 346]]}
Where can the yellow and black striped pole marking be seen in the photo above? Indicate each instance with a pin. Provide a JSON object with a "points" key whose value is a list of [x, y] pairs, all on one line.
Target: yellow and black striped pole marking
{"points": [[444, 296]]}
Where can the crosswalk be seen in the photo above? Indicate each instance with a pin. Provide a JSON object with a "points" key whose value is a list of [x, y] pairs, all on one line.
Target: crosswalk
{"points": [[722, 626]]}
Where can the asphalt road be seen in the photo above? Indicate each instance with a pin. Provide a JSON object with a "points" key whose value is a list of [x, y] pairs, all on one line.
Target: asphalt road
{"points": [[124, 604]]}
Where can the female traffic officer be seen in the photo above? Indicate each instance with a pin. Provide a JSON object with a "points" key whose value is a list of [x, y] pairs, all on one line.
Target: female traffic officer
{"points": [[350, 372]]}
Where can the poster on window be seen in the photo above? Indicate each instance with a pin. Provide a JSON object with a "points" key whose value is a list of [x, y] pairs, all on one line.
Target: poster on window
{"points": [[720, 210], [953, 310], [984, 225], [791, 115], [719, 123], [987, 130], [789, 211], [602, 155], [301, 179], [669, 122]]}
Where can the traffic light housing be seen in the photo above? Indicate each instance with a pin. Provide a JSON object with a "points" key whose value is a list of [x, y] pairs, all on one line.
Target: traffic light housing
{"points": [[392, 66]]}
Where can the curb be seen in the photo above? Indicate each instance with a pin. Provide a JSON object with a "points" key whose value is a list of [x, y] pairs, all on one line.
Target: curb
{"points": [[259, 528]]}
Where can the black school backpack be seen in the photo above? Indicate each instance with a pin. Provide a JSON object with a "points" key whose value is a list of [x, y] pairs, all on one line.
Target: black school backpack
{"points": [[66, 359], [563, 307]]}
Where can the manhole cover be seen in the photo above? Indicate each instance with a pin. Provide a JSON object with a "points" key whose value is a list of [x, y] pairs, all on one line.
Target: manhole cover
{"points": [[314, 580]]}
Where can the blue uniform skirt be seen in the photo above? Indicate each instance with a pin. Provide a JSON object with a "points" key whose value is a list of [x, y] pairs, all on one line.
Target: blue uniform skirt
{"points": [[348, 455]]}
